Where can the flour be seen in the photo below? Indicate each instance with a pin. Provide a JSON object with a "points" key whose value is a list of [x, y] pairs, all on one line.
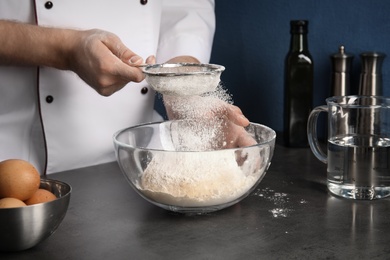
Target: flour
{"points": [[187, 85], [184, 79], [205, 117], [210, 105], [191, 179], [281, 201], [194, 174]]}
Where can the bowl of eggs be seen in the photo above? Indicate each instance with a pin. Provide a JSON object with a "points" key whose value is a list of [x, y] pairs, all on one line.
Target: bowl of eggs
{"points": [[31, 207], [185, 167]]}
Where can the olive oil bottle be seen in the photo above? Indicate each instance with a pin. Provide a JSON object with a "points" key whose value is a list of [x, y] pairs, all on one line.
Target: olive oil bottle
{"points": [[298, 86]]}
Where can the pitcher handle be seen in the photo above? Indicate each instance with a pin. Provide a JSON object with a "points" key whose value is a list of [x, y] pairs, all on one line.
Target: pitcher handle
{"points": [[312, 133]]}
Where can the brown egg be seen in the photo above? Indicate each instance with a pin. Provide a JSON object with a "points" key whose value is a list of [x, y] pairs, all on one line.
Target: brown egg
{"points": [[18, 179], [11, 203], [40, 196]]}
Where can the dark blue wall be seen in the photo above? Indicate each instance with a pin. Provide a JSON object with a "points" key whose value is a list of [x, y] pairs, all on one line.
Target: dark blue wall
{"points": [[252, 39]]}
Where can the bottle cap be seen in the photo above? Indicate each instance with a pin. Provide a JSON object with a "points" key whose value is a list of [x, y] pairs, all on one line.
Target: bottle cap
{"points": [[341, 61], [299, 26]]}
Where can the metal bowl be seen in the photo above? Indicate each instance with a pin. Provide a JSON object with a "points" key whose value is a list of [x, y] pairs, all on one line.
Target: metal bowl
{"points": [[183, 79], [25, 227], [161, 164]]}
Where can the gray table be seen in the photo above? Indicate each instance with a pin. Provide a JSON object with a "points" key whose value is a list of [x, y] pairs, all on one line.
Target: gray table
{"points": [[290, 215]]}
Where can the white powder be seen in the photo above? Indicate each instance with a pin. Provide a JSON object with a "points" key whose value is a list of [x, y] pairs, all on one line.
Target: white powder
{"points": [[207, 114], [280, 200], [184, 79], [187, 85], [191, 179], [210, 105], [280, 212]]}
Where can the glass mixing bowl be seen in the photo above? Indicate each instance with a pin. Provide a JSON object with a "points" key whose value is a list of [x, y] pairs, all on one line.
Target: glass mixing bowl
{"points": [[161, 163]]}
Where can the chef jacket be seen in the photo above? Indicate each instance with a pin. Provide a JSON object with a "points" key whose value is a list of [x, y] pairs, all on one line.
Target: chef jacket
{"points": [[52, 118]]}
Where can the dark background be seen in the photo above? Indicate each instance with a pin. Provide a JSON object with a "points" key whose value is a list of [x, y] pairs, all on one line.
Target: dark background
{"points": [[252, 40]]}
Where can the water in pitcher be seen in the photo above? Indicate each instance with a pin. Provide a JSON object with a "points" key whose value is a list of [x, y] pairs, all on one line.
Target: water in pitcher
{"points": [[359, 166]]}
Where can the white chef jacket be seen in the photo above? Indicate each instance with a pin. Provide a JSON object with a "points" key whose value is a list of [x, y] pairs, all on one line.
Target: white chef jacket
{"points": [[51, 117]]}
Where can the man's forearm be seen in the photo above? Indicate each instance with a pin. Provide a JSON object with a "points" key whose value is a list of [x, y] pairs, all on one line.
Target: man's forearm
{"points": [[31, 45]]}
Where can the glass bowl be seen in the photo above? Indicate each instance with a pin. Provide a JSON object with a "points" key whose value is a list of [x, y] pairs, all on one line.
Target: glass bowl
{"points": [[160, 162]]}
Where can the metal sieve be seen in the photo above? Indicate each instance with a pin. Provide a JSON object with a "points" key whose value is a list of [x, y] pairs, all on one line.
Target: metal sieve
{"points": [[183, 79]]}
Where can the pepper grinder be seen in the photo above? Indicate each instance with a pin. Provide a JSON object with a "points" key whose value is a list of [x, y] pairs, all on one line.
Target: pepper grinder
{"points": [[341, 65], [370, 85], [371, 75]]}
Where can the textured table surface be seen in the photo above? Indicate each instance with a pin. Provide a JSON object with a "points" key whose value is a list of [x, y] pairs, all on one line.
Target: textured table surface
{"points": [[290, 215]]}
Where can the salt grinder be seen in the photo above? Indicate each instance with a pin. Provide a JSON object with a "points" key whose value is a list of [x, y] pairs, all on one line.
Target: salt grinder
{"points": [[371, 75], [341, 65]]}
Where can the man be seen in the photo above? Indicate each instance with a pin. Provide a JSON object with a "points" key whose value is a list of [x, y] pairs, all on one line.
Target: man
{"points": [[65, 81]]}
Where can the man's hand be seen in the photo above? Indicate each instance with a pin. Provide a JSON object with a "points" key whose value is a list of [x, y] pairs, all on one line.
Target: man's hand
{"points": [[98, 57], [102, 61]]}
